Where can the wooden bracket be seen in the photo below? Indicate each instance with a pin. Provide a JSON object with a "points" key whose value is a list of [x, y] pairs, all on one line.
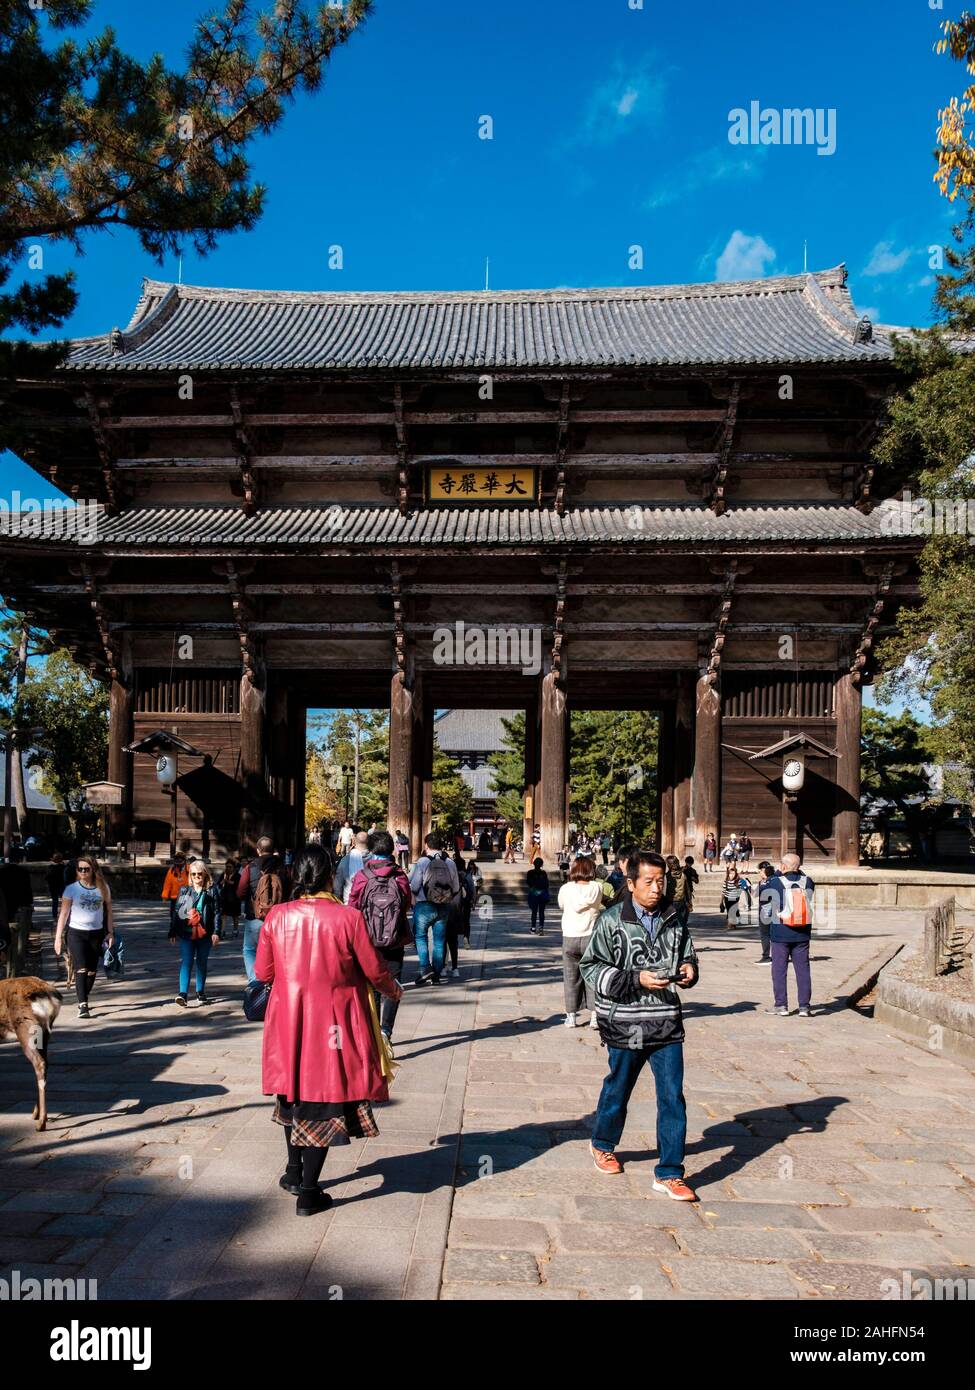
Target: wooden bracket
{"points": [[246, 449], [250, 655], [107, 453], [399, 624], [402, 452], [716, 497], [113, 656], [861, 660], [723, 618], [562, 447], [558, 626]]}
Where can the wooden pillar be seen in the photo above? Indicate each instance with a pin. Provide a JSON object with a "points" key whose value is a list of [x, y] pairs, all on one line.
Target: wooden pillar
{"points": [[280, 756], [253, 775], [554, 722], [665, 782], [401, 728], [298, 724], [119, 763], [706, 777], [422, 767], [531, 775], [683, 763], [847, 826]]}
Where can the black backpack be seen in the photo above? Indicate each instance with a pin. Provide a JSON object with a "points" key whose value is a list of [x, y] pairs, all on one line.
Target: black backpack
{"points": [[381, 904]]}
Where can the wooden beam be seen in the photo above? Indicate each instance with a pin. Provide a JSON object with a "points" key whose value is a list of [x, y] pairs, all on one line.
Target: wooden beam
{"points": [[97, 410], [247, 448], [402, 452], [716, 498], [562, 447], [249, 654], [869, 631]]}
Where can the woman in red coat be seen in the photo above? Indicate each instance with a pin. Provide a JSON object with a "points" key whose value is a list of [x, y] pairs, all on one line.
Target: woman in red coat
{"points": [[321, 1054]]}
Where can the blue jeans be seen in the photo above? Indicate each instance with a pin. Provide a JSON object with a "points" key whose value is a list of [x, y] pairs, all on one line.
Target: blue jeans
{"points": [[426, 915], [188, 952], [625, 1064], [252, 932]]}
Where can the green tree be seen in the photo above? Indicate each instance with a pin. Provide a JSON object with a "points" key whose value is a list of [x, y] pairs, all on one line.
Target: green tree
{"points": [[613, 771], [613, 776], [93, 139], [508, 771], [334, 738], [19, 645], [930, 445], [893, 749], [71, 708]]}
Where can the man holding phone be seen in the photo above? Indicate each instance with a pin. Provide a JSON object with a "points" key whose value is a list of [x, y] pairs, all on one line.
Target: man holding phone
{"points": [[639, 951]]}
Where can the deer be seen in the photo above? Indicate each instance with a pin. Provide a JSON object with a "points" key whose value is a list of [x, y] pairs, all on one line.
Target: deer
{"points": [[28, 1009]]}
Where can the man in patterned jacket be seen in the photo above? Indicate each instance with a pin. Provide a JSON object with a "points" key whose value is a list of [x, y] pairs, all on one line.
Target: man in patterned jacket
{"points": [[639, 951]]}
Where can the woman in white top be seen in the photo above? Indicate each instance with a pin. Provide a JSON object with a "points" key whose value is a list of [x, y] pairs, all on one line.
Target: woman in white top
{"points": [[86, 920], [581, 901]]}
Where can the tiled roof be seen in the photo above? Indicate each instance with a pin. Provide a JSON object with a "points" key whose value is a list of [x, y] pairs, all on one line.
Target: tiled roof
{"points": [[783, 319], [481, 782], [221, 527], [471, 730]]}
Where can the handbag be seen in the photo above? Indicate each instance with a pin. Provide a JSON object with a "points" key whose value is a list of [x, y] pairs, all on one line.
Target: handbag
{"points": [[256, 997]]}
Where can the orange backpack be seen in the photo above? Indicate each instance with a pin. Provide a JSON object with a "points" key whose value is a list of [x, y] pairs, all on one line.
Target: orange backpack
{"points": [[795, 909]]}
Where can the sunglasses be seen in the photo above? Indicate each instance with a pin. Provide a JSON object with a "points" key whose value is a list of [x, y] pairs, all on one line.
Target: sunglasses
{"points": [[84, 869]]}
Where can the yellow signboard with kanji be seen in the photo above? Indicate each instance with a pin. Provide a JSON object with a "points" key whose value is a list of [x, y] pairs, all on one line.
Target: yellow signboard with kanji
{"points": [[480, 485]]}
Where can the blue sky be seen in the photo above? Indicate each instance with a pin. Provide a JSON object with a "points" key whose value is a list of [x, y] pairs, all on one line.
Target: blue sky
{"points": [[610, 129]]}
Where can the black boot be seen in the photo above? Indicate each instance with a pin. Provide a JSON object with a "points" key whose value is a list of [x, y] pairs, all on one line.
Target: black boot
{"points": [[311, 1200], [290, 1179]]}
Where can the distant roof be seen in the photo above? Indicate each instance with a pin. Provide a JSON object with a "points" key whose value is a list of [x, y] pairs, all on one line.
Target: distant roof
{"points": [[227, 526], [782, 319], [471, 730], [481, 782]]}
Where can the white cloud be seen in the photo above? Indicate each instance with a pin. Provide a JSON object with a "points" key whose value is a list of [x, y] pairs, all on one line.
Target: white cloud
{"points": [[744, 258], [627, 102], [710, 166], [884, 260], [629, 98], [869, 311]]}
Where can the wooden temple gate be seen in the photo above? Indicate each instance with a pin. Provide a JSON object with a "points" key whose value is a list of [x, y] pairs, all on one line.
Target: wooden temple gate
{"points": [[671, 487]]}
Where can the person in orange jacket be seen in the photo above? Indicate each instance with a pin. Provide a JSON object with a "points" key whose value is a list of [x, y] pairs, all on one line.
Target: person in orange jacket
{"points": [[176, 878]]}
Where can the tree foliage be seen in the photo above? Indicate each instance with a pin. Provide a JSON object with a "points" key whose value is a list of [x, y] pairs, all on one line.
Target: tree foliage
{"points": [[613, 771], [955, 173], [71, 709], [92, 139], [334, 737], [893, 752], [929, 444]]}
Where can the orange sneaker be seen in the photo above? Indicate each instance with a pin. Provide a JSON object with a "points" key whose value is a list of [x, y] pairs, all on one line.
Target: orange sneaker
{"points": [[606, 1163], [676, 1188]]}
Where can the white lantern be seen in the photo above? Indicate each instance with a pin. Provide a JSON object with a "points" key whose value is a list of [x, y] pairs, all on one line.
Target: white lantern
{"points": [[794, 772], [166, 769]]}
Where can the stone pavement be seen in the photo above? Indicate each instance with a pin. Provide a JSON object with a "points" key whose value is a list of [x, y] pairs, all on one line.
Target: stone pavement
{"points": [[827, 1154]]}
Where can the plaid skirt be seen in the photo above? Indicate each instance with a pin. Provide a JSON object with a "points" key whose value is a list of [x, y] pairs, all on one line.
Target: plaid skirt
{"points": [[320, 1124]]}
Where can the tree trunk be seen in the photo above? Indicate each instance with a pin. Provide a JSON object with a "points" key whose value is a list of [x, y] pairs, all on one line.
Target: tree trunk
{"points": [[357, 721], [20, 673]]}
